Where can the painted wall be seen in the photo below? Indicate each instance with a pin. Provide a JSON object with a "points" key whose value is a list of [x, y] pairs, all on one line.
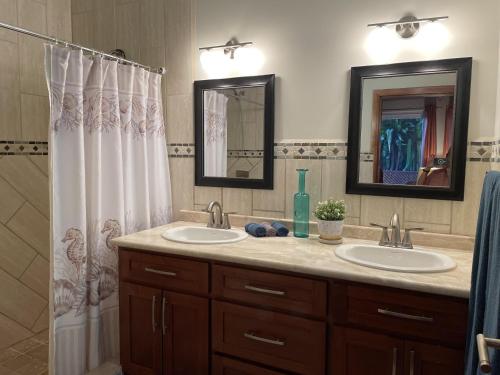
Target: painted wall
{"points": [[24, 188]]}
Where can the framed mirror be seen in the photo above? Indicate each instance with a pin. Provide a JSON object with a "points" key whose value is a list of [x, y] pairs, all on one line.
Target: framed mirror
{"points": [[408, 129], [234, 132]]}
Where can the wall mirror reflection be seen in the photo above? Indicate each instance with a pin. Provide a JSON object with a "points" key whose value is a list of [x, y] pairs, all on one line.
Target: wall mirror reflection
{"points": [[235, 132], [408, 129]]}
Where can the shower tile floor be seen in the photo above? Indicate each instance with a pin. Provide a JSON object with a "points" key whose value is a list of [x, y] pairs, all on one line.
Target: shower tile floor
{"points": [[28, 357]]}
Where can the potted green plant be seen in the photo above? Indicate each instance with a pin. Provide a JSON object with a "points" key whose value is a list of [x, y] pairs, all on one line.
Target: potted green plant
{"points": [[330, 215]]}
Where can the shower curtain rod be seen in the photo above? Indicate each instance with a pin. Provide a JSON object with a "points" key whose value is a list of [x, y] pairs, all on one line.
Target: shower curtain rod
{"points": [[160, 70]]}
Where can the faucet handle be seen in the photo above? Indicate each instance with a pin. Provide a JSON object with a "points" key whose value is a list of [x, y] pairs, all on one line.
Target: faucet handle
{"points": [[406, 243], [384, 239]]}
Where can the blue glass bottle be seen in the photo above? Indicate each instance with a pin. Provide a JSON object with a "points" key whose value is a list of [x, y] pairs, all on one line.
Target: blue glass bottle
{"points": [[301, 208]]}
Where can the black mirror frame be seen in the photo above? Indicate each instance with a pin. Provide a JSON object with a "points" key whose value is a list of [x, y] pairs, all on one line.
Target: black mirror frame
{"points": [[463, 68], [268, 163]]}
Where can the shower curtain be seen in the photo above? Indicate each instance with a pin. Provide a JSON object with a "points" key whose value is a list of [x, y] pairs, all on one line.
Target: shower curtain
{"points": [[109, 177], [215, 134]]}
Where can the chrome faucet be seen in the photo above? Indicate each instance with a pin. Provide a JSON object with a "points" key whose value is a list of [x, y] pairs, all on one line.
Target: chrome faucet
{"points": [[218, 219], [395, 240]]}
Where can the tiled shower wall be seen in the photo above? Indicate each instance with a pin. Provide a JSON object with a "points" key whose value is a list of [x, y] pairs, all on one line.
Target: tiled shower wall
{"points": [[24, 192]]}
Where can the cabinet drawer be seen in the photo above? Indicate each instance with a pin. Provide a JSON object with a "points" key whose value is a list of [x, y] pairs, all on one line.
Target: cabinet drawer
{"points": [[227, 366], [164, 272], [289, 293], [273, 339], [406, 313]]}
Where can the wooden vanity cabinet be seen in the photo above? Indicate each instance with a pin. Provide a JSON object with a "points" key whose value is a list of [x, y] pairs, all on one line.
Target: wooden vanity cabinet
{"points": [[182, 316], [162, 332]]}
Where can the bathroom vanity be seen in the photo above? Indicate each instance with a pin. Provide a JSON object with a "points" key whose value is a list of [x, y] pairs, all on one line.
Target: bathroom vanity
{"points": [[275, 306]]}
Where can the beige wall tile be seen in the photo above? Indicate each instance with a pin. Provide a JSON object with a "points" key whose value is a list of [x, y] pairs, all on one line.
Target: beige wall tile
{"points": [[42, 322], [429, 227], [18, 302], [272, 200], [78, 6], [105, 28], [464, 214], [237, 200], [153, 56], [128, 28], [8, 15], [182, 177], [152, 18], [29, 224], [10, 201], [32, 15], [10, 115], [180, 119], [34, 117], [82, 28], [380, 209], [9, 66], [313, 183], [37, 276], [11, 332], [59, 18], [31, 58], [15, 254], [28, 180], [204, 194], [178, 24], [42, 162], [428, 211], [269, 214], [352, 221]]}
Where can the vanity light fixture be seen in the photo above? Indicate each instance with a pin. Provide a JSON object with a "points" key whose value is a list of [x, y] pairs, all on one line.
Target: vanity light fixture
{"points": [[229, 48], [409, 25]]}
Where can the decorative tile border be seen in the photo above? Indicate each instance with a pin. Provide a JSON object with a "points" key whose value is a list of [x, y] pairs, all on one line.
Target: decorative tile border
{"points": [[24, 148], [180, 150], [478, 151]]}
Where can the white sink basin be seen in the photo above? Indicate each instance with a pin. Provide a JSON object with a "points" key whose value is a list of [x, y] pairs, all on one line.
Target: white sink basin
{"points": [[204, 235], [395, 259]]}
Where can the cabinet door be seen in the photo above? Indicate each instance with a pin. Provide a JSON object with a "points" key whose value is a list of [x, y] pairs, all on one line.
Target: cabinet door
{"points": [[356, 352], [424, 359], [140, 333], [185, 326]]}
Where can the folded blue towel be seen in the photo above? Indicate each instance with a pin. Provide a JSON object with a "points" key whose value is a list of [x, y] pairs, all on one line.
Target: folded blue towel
{"points": [[255, 230], [281, 230], [270, 231]]}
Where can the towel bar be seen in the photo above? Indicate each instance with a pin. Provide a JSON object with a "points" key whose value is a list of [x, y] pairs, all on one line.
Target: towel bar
{"points": [[482, 347]]}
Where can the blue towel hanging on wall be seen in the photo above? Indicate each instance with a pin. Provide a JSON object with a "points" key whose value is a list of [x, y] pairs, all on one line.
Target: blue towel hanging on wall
{"points": [[484, 302]]}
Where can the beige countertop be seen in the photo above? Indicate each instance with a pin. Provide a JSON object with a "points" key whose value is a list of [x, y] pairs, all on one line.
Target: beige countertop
{"points": [[310, 257]]}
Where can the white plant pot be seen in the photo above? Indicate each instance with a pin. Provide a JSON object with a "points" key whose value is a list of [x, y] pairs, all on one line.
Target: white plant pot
{"points": [[330, 230]]}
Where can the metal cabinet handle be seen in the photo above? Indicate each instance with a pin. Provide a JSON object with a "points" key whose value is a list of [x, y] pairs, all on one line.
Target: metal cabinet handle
{"points": [[153, 308], [164, 273], [264, 290], [482, 346], [405, 316], [412, 362], [163, 308], [394, 361], [252, 336]]}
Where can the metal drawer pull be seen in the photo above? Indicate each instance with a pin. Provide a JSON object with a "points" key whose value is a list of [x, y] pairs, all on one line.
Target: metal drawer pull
{"points": [[153, 308], [484, 357], [394, 361], [164, 273], [163, 325], [412, 362], [264, 290], [251, 336], [405, 316]]}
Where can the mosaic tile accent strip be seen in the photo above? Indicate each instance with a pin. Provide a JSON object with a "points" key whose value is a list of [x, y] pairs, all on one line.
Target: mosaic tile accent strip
{"points": [[24, 148], [180, 150], [334, 150], [366, 157], [245, 154]]}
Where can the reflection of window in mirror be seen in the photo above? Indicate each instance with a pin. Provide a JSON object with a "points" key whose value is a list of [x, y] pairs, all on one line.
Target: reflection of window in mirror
{"points": [[407, 131], [234, 132]]}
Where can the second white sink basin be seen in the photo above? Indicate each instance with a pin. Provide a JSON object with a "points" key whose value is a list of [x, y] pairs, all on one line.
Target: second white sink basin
{"points": [[204, 235], [395, 259]]}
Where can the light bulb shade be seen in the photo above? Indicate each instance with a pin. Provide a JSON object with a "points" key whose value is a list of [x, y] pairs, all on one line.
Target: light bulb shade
{"points": [[383, 44], [215, 62], [433, 37], [248, 60]]}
